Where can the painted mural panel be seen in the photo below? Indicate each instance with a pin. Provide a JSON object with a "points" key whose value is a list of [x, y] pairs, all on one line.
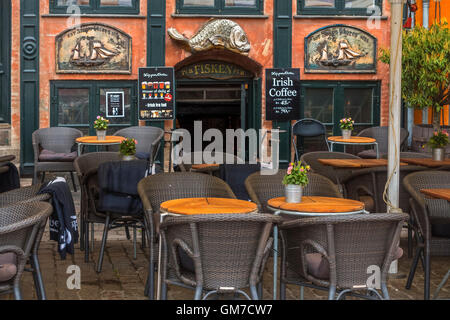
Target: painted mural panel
{"points": [[93, 48], [340, 49]]}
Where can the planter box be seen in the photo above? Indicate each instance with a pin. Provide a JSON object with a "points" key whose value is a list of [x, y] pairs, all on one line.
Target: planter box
{"points": [[421, 134]]}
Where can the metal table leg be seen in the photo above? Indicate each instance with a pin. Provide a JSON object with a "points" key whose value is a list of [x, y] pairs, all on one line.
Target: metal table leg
{"points": [[275, 258], [443, 282]]}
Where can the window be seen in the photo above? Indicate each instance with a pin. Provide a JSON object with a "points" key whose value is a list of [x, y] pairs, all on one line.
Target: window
{"points": [[77, 103], [331, 101], [339, 7], [220, 6], [96, 6]]}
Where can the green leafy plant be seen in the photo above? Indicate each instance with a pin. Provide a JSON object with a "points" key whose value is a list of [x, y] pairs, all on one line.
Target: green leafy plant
{"points": [[425, 68], [101, 123], [128, 147], [439, 139], [346, 123], [297, 174]]}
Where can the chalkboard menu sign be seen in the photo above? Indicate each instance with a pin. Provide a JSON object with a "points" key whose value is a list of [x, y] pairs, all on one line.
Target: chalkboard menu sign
{"points": [[156, 93], [115, 105], [282, 94]]}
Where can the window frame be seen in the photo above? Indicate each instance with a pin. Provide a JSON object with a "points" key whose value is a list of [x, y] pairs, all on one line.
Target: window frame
{"points": [[338, 10], [94, 87], [95, 8], [338, 99], [220, 9]]}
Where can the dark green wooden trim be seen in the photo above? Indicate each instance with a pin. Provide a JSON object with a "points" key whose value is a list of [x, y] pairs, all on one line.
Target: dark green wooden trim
{"points": [[5, 69], [219, 8], [156, 48], [94, 87], [282, 58], [29, 80], [339, 9], [339, 87], [94, 7]]}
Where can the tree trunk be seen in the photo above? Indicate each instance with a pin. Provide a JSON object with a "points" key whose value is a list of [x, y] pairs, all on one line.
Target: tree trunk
{"points": [[436, 120]]}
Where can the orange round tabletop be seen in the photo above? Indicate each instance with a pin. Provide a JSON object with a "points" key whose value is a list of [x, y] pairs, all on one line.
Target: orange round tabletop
{"points": [[190, 206], [204, 166], [352, 139], [313, 204], [93, 139]]}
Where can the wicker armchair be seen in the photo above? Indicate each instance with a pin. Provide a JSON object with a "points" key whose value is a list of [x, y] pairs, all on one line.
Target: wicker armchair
{"points": [[426, 214], [335, 175], [334, 253], [19, 226], [86, 167], [381, 135], [229, 252], [262, 188], [59, 140], [158, 188], [23, 195], [148, 138]]}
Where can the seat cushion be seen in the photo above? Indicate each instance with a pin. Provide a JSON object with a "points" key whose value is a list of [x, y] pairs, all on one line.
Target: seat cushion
{"points": [[142, 155], [8, 267], [319, 268], [368, 154], [50, 156]]}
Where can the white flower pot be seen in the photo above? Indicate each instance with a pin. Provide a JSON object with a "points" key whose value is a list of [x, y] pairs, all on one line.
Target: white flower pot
{"points": [[101, 134], [438, 154], [293, 193], [128, 157], [346, 134]]}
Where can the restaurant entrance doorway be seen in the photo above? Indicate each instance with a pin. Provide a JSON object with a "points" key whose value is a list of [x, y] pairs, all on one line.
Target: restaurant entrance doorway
{"points": [[218, 105]]}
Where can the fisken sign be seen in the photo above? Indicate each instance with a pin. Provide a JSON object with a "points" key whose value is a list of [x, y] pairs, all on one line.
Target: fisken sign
{"points": [[93, 48], [212, 70], [283, 94]]}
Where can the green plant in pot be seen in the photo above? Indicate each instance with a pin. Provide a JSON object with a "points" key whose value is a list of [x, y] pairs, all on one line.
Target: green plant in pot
{"points": [[128, 149], [100, 126], [438, 142], [295, 179], [425, 68]]}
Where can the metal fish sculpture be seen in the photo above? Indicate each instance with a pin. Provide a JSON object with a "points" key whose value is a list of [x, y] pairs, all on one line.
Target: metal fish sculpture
{"points": [[216, 33]]}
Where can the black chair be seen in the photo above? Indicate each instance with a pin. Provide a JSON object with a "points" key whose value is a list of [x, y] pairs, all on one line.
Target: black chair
{"points": [[309, 128]]}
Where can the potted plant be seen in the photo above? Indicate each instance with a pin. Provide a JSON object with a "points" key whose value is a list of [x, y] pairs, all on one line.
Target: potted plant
{"points": [[346, 125], [100, 126], [128, 149], [295, 179], [438, 142]]}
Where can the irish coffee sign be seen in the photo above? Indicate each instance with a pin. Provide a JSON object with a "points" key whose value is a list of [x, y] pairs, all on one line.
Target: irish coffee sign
{"points": [[282, 94], [156, 93]]}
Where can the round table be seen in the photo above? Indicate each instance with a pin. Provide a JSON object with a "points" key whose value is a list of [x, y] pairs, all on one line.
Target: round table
{"points": [[190, 206], [354, 140], [93, 141], [309, 206], [316, 206]]}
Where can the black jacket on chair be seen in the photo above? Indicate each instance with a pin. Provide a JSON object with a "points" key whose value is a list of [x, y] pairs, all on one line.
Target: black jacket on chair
{"points": [[63, 221], [9, 180]]}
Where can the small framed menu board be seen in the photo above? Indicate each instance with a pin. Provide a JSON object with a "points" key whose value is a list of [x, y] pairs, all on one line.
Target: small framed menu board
{"points": [[115, 105], [156, 93], [283, 94]]}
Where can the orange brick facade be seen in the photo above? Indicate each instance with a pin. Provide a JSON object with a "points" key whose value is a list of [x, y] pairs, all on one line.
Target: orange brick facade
{"points": [[259, 31]]}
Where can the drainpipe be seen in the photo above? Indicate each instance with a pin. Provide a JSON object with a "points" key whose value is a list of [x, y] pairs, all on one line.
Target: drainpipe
{"points": [[425, 15], [411, 110]]}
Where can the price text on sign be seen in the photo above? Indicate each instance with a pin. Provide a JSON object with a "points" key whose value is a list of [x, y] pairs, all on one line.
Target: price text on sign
{"points": [[282, 94], [156, 93]]}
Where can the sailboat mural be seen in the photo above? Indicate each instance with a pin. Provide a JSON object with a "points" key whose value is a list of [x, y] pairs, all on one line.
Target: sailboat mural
{"points": [[340, 49], [96, 54], [345, 56]]}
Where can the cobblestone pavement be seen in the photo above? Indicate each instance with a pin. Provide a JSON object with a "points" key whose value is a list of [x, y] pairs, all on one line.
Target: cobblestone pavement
{"points": [[123, 277]]}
